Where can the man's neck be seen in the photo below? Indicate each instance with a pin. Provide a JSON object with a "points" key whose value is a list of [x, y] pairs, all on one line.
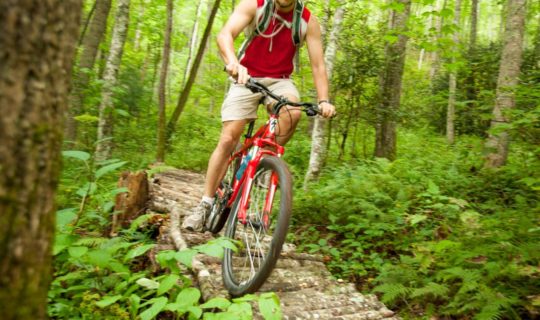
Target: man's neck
{"points": [[285, 9]]}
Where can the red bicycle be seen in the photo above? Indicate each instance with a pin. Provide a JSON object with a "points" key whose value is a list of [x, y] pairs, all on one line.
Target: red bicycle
{"points": [[257, 190]]}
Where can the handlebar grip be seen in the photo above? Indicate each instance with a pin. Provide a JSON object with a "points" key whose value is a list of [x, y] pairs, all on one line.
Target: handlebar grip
{"points": [[313, 111]]}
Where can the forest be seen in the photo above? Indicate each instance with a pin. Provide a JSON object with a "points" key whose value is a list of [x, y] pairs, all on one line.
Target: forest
{"points": [[423, 190]]}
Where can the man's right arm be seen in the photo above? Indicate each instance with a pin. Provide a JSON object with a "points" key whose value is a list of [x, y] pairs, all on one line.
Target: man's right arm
{"points": [[241, 17]]}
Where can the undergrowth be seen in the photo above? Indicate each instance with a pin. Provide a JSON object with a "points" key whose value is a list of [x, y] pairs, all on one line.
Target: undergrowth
{"points": [[432, 233]]}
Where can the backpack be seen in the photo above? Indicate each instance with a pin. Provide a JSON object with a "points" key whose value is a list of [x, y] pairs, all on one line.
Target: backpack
{"points": [[264, 15]]}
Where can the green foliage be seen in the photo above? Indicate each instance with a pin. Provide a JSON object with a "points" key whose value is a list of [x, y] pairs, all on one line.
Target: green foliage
{"points": [[111, 278], [429, 231]]}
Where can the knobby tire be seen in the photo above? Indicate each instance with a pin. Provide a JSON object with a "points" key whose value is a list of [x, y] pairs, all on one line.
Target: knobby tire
{"points": [[235, 277]]}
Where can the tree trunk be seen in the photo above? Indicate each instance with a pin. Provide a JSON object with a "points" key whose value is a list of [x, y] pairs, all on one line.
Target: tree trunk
{"points": [[390, 88], [105, 125], [37, 45], [435, 59], [452, 82], [468, 119], [90, 45], [131, 204], [162, 121], [537, 44], [193, 43], [498, 140], [427, 29], [86, 23], [182, 100], [318, 135], [138, 30]]}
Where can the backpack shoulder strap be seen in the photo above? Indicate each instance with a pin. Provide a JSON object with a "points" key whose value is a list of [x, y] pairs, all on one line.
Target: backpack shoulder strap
{"points": [[264, 16], [297, 33], [260, 22]]}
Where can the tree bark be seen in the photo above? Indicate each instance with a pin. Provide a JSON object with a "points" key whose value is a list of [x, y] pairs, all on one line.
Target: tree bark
{"points": [[138, 30], [184, 95], [131, 204], [468, 119], [105, 125], [435, 59], [428, 27], [37, 44], [162, 121], [537, 44], [452, 81], [318, 134], [90, 45], [390, 86], [498, 140], [193, 43]]}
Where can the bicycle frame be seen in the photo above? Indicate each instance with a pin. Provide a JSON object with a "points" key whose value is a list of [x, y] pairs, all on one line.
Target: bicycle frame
{"points": [[257, 145], [262, 143]]}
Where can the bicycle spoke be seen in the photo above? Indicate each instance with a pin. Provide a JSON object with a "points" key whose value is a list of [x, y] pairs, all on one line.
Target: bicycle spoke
{"points": [[261, 233]]}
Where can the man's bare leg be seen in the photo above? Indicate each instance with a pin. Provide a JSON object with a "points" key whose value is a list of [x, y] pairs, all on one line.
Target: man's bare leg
{"points": [[230, 133], [217, 165], [288, 120]]}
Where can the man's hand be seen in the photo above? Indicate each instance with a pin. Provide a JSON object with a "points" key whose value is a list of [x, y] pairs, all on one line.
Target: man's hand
{"points": [[327, 109], [238, 72]]}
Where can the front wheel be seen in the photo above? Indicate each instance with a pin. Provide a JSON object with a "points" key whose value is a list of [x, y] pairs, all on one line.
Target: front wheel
{"points": [[260, 233]]}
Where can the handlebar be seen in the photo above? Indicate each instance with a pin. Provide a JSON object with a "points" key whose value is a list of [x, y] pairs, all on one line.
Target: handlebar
{"points": [[311, 109]]}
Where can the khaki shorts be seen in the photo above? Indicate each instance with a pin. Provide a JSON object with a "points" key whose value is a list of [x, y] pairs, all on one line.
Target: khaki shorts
{"points": [[241, 104]]}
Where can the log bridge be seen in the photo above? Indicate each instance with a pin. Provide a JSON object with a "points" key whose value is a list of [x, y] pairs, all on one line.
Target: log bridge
{"points": [[305, 287]]}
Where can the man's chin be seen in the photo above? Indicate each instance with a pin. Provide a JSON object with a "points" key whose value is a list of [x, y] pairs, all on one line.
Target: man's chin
{"points": [[285, 6]]}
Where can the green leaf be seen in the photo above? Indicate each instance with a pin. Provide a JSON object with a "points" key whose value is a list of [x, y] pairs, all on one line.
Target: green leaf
{"points": [[242, 310], [122, 112], [390, 38], [87, 189], [119, 190], [195, 311], [135, 302], [107, 301], [269, 306], [81, 155], [416, 218], [188, 297], [167, 283], [137, 251], [108, 168], [147, 283], [155, 309], [64, 217], [214, 250], [220, 303], [61, 242], [185, 256], [77, 252], [433, 188], [100, 258]]}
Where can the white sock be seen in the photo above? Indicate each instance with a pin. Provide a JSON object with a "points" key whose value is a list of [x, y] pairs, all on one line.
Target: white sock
{"points": [[208, 200]]}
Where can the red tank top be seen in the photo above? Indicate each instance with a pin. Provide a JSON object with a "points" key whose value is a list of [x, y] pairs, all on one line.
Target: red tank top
{"points": [[273, 57]]}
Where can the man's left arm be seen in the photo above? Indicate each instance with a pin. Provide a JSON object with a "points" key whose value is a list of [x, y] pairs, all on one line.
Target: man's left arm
{"points": [[318, 67]]}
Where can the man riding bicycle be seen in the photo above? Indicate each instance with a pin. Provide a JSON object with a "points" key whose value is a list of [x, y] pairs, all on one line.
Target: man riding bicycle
{"points": [[276, 30]]}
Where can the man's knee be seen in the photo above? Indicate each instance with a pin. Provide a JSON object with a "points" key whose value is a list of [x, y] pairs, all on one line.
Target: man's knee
{"points": [[291, 114]]}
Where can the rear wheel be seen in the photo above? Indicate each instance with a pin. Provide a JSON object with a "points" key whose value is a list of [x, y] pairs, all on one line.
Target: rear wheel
{"points": [[260, 236]]}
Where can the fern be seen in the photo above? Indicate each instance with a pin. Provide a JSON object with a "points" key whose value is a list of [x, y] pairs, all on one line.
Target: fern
{"points": [[432, 288], [392, 291], [489, 312], [91, 242]]}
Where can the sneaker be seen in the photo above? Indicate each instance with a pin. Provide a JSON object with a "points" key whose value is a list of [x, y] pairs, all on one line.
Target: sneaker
{"points": [[194, 222]]}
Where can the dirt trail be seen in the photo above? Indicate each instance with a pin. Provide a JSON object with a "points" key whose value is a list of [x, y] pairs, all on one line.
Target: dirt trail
{"points": [[305, 287]]}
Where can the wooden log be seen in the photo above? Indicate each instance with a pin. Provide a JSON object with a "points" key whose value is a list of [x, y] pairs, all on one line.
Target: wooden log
{"points": [[129, 205]]}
